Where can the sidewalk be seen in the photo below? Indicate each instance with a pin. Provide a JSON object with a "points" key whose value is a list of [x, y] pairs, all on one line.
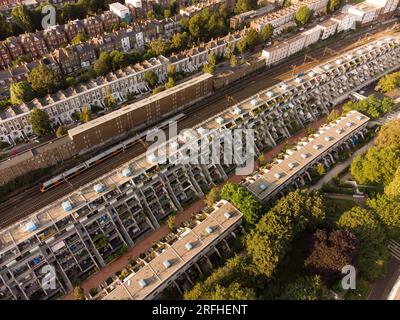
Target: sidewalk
{"points": [[96, 279]]}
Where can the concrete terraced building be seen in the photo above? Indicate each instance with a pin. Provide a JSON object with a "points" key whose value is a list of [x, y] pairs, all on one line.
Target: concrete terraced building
{"points": [[85, 229], [172, 263], [323, 147]]}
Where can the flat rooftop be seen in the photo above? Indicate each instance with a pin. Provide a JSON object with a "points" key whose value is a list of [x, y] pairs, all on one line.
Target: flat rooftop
{"points": [[120, 112], [165, 265], [295, 159]]}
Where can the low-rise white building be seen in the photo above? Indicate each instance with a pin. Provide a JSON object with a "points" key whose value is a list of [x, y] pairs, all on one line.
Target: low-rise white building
{"points": [[328, 28], [276, 53], [364, 12], [387, 5], [119, 9], [345, 21], [135, 3], [296, 44], [312, 36]]}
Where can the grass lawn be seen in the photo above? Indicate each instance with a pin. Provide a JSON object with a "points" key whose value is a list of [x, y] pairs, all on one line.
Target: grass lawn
{"points": [[335, 208]]}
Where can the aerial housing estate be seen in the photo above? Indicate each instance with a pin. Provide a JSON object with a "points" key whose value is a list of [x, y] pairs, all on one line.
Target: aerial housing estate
{"points": [[86, 228]]}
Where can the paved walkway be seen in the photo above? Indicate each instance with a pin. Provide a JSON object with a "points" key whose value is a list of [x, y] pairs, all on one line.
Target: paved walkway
{"points": [[338, 168], [96, 279]]}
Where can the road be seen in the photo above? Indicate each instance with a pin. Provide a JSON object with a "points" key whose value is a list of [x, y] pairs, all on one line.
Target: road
{"points": [[32, 199]]}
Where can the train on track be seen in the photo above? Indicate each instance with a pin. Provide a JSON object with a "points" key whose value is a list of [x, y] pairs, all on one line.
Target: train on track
{"points": [[73, 172]]}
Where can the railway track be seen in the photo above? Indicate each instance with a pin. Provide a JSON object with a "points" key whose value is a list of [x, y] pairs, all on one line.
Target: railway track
{"points": [[32, 199]]}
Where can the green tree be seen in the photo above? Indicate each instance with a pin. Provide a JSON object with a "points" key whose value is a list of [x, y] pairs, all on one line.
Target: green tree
{"points": [[372, 250], [334, 5], [180, 41], [330, 252], [213, 196], [151, 78], [170, 83], [241, 45], [61, 131], [22, 18], [267, 32], [393, 188], [72, 11], [158, 46], [79, 38], [389, 82], [233, 61], [167, 13], [252, 38], [103, 65], [303, 15], [45, 81], [320, 169], [151, 15], [118, 60], [377, 166], [389, 135], [237, 272], [171, 70], [21, 59], [40, 122], [195, 26], [5, 27], [243, 200], [79, 293], [85, 115], [109, 100], [372, 106], [268, 243], [333, 115], [306, 288], [171, 222], [21, 92], [387, 210], [245, 5], [233, 292]]}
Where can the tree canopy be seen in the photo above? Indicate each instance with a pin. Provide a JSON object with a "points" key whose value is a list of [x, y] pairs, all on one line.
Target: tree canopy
{"points": [[330, 252], [389, 82], [102, 66], [243, 200], [212, 196], [21, 92], [85, 115], [40, 122], [306, 288], [267, 32], [234, 276], [377, 166], [389, 135], [373, 107], [45, 81], [334, 5], [5, 27], [387, 210], [303, 15], [245, 5], [151, 78], [270, 240], [372, 251], [158, 46], [22, 18]]}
